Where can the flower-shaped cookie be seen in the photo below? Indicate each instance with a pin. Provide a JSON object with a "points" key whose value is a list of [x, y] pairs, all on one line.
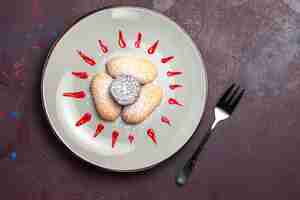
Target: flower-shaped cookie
{"points": [[150, 95]]}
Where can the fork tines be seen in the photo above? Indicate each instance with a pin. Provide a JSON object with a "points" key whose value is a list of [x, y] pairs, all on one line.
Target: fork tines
{"points": [[231, 98]]}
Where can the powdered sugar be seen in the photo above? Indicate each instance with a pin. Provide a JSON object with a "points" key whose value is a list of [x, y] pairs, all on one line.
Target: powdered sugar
{"points": [[125, 89]]}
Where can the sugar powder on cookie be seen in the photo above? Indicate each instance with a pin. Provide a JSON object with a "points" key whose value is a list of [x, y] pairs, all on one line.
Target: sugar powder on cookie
{"points": [[125, 89]]}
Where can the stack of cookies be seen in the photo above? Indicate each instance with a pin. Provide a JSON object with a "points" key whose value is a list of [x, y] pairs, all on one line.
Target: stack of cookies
{"points": [[126, 89]]}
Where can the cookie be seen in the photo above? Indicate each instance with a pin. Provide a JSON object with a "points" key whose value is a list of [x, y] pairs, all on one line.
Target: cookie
{"points": [[150, 98], [143, 70], [105, 106]]}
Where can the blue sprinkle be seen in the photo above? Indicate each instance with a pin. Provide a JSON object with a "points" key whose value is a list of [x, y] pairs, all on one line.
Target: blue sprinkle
{"points": [[13, 155], [14, 115], [54, 34]]}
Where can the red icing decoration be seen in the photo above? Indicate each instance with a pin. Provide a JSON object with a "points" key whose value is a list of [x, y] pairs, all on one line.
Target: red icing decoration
{"points": [[137, 43], [151, 134], [122, 42], [175, 86], [173, 73], [84, 119], [99, 129], [76, 95], [86, 58], [152, 49], [103, 47], [166, 120], [114, 137], [172, 101], [81, 75], [130, 138], [167, 59]]}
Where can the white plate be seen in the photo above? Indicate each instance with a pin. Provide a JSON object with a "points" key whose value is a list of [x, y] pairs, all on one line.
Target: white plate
{"points": [[105, 25]]}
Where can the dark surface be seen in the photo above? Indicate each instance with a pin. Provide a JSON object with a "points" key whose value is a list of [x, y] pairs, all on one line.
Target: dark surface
{"points": [[253, 156]]}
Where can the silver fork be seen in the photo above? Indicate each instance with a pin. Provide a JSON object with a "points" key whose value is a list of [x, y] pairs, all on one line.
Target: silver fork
{"points": [[223, 110]]}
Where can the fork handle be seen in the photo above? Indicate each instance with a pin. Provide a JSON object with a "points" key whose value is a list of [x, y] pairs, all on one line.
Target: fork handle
{"points": [[185, 172]]}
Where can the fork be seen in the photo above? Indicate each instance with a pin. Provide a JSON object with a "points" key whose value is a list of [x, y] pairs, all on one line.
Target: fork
{"points": [[223, 110]]}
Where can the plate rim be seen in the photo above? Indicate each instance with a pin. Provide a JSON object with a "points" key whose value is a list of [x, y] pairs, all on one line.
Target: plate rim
{"points": [[57, 40]]}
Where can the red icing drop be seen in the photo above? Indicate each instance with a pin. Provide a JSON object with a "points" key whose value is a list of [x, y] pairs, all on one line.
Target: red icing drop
{"points": [[166, 120], [114, 137], [137, 43], [175, 86], [167, 59], [151, 134], [86, 58], [99, 129], [122, 42], [103, 47], [173, 73], [76, 95], [81, 75], [84, 119], [152, 49], [172, 101], [130, 138]]}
